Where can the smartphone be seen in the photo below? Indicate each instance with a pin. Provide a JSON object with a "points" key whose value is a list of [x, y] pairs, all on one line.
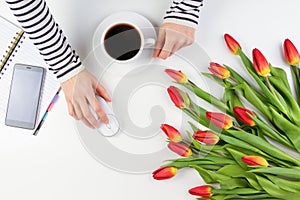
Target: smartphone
{"points": [[24, 97]]}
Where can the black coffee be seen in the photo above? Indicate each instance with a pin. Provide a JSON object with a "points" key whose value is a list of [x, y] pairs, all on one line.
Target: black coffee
{"points": [[122, 42]]}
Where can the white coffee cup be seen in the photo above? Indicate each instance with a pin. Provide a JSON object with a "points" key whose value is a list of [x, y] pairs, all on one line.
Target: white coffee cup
{"points": [[138, 28]]}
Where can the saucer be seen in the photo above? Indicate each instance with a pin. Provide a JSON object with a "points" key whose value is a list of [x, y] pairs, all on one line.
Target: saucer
{"points": [[130, 17]]}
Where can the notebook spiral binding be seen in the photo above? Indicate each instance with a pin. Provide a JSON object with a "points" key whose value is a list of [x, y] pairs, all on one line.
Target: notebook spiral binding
{"points": [[14, 44]]}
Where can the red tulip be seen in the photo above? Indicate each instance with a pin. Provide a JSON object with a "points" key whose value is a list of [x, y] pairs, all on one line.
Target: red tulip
{"points": [[243, 115], [177, 75], [232, 44], [180, 149], [206, 137], [218, 70], [172, 133], [178, 97], [255, 161], [164, 173], [202, 191], [291, 53], [219, 119], [260, 63]]}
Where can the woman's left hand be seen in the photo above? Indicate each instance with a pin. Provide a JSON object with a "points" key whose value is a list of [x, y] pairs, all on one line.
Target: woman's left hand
{"points": [[171, 38]]}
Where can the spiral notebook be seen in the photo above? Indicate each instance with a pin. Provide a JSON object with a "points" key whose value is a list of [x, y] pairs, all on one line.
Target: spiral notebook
{"points": [[16, 47]]}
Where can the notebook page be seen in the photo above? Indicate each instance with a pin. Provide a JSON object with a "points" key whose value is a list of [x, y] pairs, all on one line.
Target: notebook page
{"points": [[28, 54]]}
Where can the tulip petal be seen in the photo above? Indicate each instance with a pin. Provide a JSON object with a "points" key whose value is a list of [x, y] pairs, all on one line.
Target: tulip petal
{"points": [[255, 161], [164, 173], [177, 75], [232, 44], [172, 133]]}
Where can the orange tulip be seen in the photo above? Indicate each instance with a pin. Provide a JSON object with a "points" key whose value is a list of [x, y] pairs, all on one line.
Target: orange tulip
{"points": [[180, 149], [177, 75], [242, 114], [172, 133], [202, 191], [206, 137], [164, 173], [178, 97], [219, 71], [219, 119], [260, 63], [232, 44], [291, 53], [255, 161]]}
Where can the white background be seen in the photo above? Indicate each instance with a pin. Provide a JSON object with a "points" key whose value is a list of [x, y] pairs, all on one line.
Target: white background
{"points": [[54, 165]]}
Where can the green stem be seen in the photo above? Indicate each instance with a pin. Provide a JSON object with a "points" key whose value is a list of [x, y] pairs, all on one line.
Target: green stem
{"points": [[275, 96]]}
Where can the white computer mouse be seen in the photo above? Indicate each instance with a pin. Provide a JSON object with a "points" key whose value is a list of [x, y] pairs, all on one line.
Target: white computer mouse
{"points": [[113, 127]]}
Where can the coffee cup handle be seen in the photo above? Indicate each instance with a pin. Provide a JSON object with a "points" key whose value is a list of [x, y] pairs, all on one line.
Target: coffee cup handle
{"points": [[149, 42]]}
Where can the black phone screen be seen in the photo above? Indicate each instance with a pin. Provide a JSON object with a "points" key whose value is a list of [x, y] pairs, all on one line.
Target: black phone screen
{"points": [[25, 92]]}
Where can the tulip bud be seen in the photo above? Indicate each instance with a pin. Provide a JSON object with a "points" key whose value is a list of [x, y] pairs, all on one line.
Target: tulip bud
{"points": [[260, 63], [255, 161], [220, 120], [202, 191], [172, 133], [219, 71], [291, 53], [164, 173], [206, 137], [232, 44], [177, 75], [178, 97], [180, 149], [243, 115]]}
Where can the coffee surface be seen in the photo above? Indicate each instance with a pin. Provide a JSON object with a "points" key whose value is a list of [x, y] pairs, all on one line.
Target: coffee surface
{"points": [[122, 42]]}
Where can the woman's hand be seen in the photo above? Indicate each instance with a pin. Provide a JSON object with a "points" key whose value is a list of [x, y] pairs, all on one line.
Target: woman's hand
{"points": [[80, 93], [171, 38]]}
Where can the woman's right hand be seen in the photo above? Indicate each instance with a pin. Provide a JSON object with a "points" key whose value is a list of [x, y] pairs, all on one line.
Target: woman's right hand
{"points": [[80, 93]]}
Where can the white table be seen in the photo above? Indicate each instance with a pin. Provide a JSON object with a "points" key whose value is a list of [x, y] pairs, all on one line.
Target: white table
{"points": [[55, 165]]}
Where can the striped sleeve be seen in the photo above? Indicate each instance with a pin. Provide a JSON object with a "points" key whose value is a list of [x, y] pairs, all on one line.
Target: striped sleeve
{"points": [[38, 23], [184, 12]]}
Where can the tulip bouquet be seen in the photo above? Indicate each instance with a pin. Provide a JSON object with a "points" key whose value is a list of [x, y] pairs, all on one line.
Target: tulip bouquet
{"points": [[241, 153]]}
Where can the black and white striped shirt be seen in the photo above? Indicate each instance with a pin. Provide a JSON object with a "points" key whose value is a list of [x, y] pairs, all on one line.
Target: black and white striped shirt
{"points": [[37, 21]]}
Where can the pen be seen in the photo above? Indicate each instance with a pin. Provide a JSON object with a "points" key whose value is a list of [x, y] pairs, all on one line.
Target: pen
{"points": [[46, 113]]}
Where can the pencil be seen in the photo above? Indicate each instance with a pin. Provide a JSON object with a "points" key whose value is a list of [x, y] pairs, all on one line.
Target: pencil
{"points": [[46, 113]]}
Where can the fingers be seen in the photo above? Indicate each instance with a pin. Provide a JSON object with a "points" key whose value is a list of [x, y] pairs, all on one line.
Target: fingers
{"points": [[171, 38], [87, 114], [98, 109], [159, 43], [100, 90], [167, 48], [79, 115]]}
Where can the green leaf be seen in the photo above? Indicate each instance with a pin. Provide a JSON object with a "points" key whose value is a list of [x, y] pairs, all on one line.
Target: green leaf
{"points": [[292, 131], [271, 132], [231, 100], [235, 183], [237, 155], [296, 79], [281, 74], [288, 185], [271, 188], [252, 180], [264, 146], [235, 75], [214, 78], [292, 105], [210, 177], [287, 172], [205, 96], [232, 170], [249, 93], [237, 191]]}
